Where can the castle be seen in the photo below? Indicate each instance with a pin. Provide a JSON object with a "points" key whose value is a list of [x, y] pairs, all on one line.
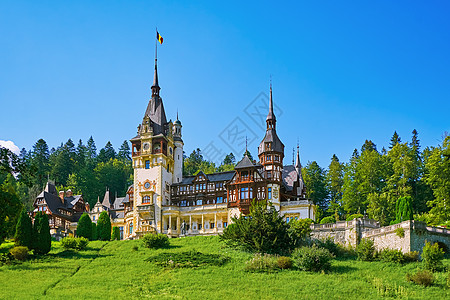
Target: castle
{"points": [[162, 200]]}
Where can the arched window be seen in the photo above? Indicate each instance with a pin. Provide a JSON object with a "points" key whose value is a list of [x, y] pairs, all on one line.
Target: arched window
{"points": [[131, 227]]}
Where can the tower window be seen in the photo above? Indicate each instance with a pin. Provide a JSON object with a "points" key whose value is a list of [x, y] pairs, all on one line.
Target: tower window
{"points": [[269, 193], [244, 193], [146, 199], [147, 164]]}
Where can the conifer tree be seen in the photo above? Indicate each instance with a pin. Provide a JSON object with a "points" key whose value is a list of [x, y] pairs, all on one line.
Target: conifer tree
{"points": [[395, 139], [94, 231], [115, 233], [84, 228], [104, 227], [124, 153], [42, 242], [24, 229], [404, 209]]}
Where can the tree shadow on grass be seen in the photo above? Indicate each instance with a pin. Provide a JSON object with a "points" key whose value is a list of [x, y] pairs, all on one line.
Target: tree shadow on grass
{"points": [[342, 269]]}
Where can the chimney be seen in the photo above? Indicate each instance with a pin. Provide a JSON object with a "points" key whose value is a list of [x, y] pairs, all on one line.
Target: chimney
{"points": [[61, 196]]}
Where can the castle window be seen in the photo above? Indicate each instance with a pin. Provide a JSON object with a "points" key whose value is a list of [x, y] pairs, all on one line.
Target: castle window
{"points": [[244, 175], [269, 193], [269, 174], [251, 193], [219, 199], [225, 224], [211, 225], [131, 227], [244, 193], [146, 199], [147, 164], [93, 218], [269, 158], [199, 202], [183, 203]]}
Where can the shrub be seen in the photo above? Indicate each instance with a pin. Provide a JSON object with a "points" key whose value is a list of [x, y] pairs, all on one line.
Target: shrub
{"points": [[329, 219], [423, 277], [69, 243], [400, 232], [19, 252], [74, 243], [312, 258], [152, 240], [354, 216], [299, 231], [328, 244], [187, 259], [104, 227], [263, 231], [6, 258], [411, 256], [432, 257], [41, 234], [84, 227], [262, 263], [24, 230], [115, 233], [391, 255], [365, 250], [82, 243], [284, 262]]}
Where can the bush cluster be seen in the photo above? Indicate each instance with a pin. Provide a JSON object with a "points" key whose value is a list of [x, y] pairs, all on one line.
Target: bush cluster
{"points": [[411, 256], [79, 243], [312, 258], [432, 257], [423, 277], [152, 240], [330, 219], [187, 259], [392, 255], [262, 263], [19, 252], [365, 250], [330, 245], [284, 262], [354, 216]]}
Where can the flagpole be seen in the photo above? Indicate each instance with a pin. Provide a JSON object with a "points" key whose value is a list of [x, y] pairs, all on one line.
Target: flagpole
{"points": [[156, 44]]}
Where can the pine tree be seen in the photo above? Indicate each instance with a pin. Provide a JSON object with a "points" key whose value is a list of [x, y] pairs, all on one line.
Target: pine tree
{"points": [[40, 162], [41, 230], [104, 227], [84, 228], [395, 139], [229, 159], [91, 154], [124, 152], [335, 181], [24, 229]]}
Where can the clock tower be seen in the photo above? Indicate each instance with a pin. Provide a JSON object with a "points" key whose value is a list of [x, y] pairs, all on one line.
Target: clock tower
{"points": [[157, 152]]}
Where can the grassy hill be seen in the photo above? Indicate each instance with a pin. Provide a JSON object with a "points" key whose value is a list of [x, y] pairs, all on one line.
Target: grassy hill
{"points": [[116, 270]]}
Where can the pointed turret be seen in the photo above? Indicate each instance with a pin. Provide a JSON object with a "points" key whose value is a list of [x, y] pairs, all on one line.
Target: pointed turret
{"points": [[271, 119], [155, 108], [298, 165], [155, 86]]}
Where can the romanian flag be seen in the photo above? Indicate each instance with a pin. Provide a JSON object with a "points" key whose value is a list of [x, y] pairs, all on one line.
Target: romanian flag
{"points": [[159, 37]]}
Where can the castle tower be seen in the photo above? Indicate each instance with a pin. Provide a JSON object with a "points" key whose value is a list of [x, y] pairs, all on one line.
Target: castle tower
{"points": [[271, 154], [156, 163]]}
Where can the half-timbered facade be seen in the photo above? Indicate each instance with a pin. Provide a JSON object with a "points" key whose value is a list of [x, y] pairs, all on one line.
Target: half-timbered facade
{"points": [[63, 209]]}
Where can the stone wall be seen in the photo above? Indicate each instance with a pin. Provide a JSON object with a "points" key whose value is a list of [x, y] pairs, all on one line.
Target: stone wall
{"points": [[411, 237]]}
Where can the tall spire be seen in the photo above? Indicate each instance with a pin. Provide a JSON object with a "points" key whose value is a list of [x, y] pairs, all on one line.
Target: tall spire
{"points": [[155, 86], [298, 165], [271, 120]]}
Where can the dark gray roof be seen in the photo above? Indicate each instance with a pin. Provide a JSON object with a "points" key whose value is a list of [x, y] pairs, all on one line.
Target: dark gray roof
{"points": [[107, 199], [54, 203], [118, 203], [214, 177], [289, 175], [245, 163], [155, 111], [272, 137]]}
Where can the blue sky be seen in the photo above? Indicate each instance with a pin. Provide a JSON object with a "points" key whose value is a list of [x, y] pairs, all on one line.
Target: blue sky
{"points": [[342, 72]]}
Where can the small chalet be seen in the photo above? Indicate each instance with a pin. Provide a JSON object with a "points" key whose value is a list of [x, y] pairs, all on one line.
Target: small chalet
{"points": [[63, 209]]}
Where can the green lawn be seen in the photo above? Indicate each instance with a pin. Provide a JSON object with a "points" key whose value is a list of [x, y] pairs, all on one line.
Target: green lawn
{"points": [[114, 270]]}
